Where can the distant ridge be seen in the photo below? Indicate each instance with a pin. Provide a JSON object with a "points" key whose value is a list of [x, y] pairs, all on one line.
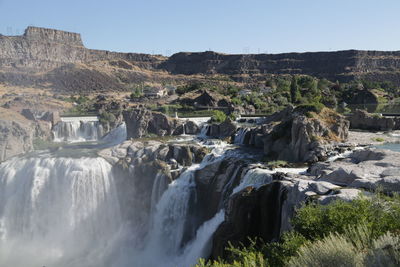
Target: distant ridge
{"points": [[60, 60]]}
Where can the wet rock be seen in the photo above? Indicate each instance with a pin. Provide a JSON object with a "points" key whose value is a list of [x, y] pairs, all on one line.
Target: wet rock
{"points": [[225, 129], [191, 127]]}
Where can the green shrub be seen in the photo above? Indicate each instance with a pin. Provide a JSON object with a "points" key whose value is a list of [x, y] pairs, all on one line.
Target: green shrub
{"points": [[137, 93], [277, 164], [241, 256], [332, 251], [107, 118], [314, 221], [307, 108], [218, 116], [355, 247]]}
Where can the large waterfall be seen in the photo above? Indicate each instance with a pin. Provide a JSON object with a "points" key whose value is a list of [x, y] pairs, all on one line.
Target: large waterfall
{"points": [[64, 211], [57, 212]]}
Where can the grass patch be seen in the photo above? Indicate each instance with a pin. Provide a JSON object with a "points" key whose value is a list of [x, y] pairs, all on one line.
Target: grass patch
{"points": [[378, 139]]}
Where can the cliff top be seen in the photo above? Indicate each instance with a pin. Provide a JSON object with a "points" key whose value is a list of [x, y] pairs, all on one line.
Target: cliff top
{"points": [[38, 33]]}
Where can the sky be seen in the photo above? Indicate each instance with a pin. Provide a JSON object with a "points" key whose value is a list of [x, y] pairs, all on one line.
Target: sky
{"points": [[227, 26]]}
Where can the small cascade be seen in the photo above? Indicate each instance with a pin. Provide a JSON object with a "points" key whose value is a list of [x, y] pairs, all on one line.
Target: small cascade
{"points": [[241, 135], [116, 136], [159, 186], [77, 129], [204, 130], [254, 177], [183, 129]]}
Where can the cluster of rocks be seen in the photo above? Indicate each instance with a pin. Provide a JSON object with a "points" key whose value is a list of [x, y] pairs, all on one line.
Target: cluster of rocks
{"points": [[141, 122], [361, 119]]}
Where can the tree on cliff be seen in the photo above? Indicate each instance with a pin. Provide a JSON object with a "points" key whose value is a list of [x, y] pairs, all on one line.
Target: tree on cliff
{"points": [[294, 91]]}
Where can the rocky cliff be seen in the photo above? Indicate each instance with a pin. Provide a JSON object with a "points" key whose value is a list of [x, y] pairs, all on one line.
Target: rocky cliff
{"points": [[340, 65], [58, 59]]}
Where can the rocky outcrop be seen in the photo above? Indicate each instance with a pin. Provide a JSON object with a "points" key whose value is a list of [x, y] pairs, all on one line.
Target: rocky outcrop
{"points": [[361, 119], [17, 132], [141, 122], [222, 130], [205, 99], [57, 36], [297, 136]]}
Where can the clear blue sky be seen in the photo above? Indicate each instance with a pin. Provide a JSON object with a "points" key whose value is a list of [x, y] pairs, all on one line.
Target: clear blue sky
{"points": [[230, 26]]}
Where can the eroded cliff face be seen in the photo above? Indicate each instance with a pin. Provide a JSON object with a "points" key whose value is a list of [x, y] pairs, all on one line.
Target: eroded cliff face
{"points": [[41, 48], [42, 57]]}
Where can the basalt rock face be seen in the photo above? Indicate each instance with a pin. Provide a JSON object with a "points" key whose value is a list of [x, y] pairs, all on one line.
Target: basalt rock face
{"points": [[253, 213]]}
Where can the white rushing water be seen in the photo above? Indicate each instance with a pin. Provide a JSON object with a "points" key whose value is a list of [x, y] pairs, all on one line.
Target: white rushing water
{"points": [[241, 135], [57, 212], [66, 212], [77, 129]]}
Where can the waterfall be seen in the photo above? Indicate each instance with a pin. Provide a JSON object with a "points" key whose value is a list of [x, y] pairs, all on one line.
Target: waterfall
{"points": [[57, 211], [169, 219], [66, 212], [241, 135], [204, 130], [254, 177], [77, 129]]}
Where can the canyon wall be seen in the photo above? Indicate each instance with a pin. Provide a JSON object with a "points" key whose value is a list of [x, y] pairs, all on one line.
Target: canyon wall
{"points": [[59, 60], [340, 65]]}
